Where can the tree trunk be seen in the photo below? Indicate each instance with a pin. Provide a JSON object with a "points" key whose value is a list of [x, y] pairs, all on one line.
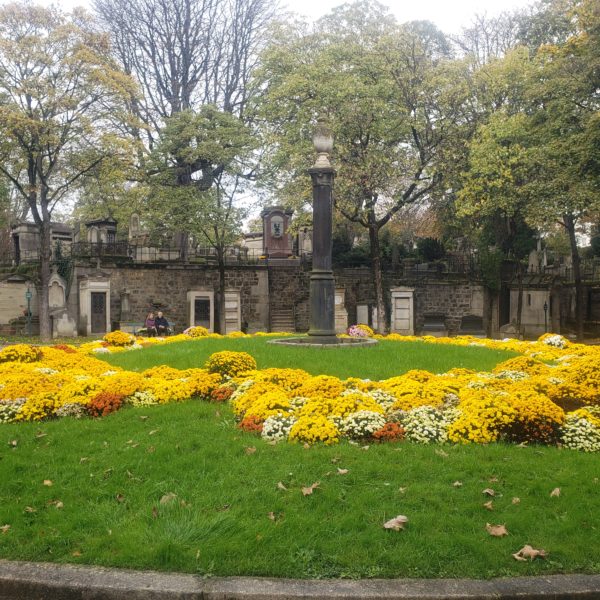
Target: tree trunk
{"points": [[221, 292], [569, 223], [382, 326], [43, 294], [519, 295]]}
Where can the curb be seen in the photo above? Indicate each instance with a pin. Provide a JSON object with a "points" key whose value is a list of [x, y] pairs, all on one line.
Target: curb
{"points": [[47, 581]]}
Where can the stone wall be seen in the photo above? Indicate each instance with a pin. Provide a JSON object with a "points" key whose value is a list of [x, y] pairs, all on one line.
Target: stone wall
{"points": [[162, 287]]}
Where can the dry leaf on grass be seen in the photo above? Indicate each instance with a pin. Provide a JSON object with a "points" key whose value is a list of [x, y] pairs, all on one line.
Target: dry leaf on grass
{"points": [[516, 500], [335, 459], [493, 480], [272, 516], [307, 491], [4, 528], [250, 450], [143, 417], [496, 530], [282, 487], [528, 552], [168, 498], [488, 492], [154, 512], [342, 471], [47, 482], [397, 523], [120, 498], [13, 443], [58, 504], [489, 505], [76, 553], [153, 432], [442, 453], [555, 493], [29, 509], [457, 484], [40, 434], [83, 459]]}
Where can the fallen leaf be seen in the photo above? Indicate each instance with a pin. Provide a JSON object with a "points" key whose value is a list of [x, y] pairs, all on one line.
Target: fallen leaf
{"points": [[58, 504], [217, 413], [224, 508], [342, 471], [83, 459], [29, 509], [489, 505], [307, 491], [280, 486], [154, 512], [516, 500], [335, 459], [143, 417], [528, 552], [488, 492], [493, 480], [442, 453], [40, 434], [13, 443], [47, 482], [272, 516], [120, 498], [402, 490], [250, 450], [457, 484], [150, 449], [397, 523], [306, 446], [76, 553], [496, 530], [4, 528], [555, 493], [153, 431], [167, 498], [107, 473], [365, 448], [129, 442]]}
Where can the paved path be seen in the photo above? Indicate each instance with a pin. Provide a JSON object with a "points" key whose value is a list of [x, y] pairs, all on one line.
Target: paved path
{"points": [[47, 581]]}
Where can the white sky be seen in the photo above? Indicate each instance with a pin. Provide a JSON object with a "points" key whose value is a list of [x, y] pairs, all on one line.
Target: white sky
{"points": [[448, 15]]}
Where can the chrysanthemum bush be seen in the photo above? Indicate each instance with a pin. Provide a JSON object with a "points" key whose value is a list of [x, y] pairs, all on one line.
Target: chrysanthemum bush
{"points": [[550, 394]]}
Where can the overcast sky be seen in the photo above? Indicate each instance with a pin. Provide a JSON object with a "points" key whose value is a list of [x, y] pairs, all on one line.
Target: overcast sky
{"points": [[448, 15]]}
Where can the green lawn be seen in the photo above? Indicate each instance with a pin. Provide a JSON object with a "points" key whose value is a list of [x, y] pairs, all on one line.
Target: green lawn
{"points": [[379, 361], [110, 474]]}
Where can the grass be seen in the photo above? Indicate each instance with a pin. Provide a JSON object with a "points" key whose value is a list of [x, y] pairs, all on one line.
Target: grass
{"points": [[110, 476], [380, 361]]}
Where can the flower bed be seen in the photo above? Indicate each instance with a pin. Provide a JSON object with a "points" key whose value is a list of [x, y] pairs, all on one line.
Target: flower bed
{"points": [[550, 394]]}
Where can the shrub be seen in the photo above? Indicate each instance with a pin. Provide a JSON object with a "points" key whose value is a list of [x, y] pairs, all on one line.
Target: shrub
{"points": [[252, 424], [23, 353], [360, 330], [119, 338], [230, 364], [104, 403], [196, 332], [390, 432]]}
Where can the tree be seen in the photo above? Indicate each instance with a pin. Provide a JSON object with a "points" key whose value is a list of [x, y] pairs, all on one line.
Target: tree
{"points": [[394, 100], [58, 90], [206, 206]]}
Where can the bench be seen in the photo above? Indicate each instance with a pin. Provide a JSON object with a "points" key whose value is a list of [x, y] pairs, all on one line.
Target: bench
{"points": [[472, 325], [435, 325]]}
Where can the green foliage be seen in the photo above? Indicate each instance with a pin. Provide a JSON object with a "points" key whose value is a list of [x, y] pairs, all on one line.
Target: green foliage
{"points": [[430, 249], [491, 268]]}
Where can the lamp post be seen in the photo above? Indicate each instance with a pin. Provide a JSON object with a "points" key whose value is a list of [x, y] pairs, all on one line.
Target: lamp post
{"points": [[28, 296], [322, 285], [545, 317]]}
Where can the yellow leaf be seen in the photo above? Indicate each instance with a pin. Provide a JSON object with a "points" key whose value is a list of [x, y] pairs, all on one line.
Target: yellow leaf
{"points": [[167, 498], [47, 482], [488, 492], [307, 491], [489, 505], [555, 493], [250, 450], [342, 471], [496, 530], [397, 523], [528, 552]]}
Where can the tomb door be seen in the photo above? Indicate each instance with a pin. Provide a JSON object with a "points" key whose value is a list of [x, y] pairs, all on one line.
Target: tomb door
{"points": [[202, 312], [98, 317]]}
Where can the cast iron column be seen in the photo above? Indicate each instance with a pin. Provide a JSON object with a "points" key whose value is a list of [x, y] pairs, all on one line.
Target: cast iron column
{"points": [[322, 285]]}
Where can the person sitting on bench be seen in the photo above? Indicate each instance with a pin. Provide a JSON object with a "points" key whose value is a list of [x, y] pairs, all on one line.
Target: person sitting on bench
{"points": [[161, 324], [150, 325]]}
